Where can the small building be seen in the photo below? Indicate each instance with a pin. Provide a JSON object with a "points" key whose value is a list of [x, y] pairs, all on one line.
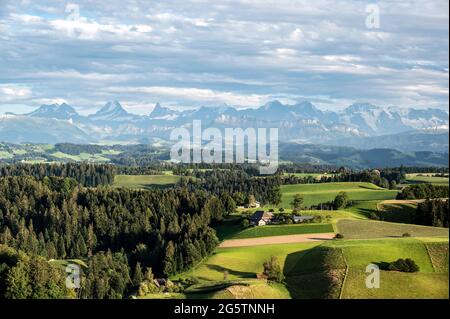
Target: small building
{"points": [[301, 219], [261, 218]]}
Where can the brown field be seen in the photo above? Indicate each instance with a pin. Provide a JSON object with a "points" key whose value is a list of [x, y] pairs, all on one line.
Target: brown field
{"points": [[290, 239]]}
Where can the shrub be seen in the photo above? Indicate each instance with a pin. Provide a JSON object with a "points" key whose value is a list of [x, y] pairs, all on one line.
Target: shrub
{"points": [[272, 270], [316, 219], [406, 235], [404, 265], [143, 289], [245, 223], [341, 200], [339, 236]]}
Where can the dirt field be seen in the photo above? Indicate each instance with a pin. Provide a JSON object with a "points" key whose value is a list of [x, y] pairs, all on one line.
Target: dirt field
{"points": [[402, 201], [290, 239]]}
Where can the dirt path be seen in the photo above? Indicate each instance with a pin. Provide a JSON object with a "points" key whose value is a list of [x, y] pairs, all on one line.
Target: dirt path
{"points": [[288, 239]]}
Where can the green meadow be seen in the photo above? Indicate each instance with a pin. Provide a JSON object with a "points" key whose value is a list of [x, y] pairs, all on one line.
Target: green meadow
{"points": [[245, 262], [333, 269], [430, 282], [145, 181], [426, 178], [363, 229], [324, 192], [282, 230], [81, 157]]}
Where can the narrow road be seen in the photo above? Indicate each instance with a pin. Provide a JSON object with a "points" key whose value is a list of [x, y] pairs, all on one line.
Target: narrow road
{"points": [[288, 239]]}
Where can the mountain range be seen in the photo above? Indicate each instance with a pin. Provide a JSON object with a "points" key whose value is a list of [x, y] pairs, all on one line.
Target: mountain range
{"points": [[360, 125]]}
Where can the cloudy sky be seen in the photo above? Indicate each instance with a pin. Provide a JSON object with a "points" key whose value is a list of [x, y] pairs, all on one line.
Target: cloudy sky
{"points": [[189, 53]]}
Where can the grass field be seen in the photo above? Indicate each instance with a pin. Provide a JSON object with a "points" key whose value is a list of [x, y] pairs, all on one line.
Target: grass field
{"points": [[145, 181], [256, 290], [231, 227], [281, 230], [246, 262], [315, 270], [63, 263], [427, 283], [313, 175], [240, 289], [426, 178], [324, 192], [398, 211], [81, 157], [364, 229]]}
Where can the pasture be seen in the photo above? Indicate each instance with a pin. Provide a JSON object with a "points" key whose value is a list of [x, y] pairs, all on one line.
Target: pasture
{"points": [[145, 181], [364, 229], [426, 178], [316, 176], [427, 283], [317, 270], [240, 289], [245, 262], [324, 192], [82, 157], [282, 230]]}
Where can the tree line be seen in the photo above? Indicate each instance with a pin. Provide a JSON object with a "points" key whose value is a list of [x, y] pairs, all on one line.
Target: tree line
{"points": [[236, 183], [88, 175], [424, 191], [433, 213]]}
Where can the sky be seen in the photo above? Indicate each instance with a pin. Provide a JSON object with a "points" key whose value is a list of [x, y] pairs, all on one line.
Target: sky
{"points": [[242, 53]]}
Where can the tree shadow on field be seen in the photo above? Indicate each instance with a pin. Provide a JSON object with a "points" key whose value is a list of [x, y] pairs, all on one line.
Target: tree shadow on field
{"points": [[236, 273], [382, 265], [316, 274], [367, 212], [158, 186]]}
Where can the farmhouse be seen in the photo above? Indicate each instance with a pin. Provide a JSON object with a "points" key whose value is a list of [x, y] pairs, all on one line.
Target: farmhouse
{"points": [[261, 218]]}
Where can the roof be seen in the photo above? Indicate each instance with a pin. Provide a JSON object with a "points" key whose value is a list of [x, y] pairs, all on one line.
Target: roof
{"points": [[260, 214]]}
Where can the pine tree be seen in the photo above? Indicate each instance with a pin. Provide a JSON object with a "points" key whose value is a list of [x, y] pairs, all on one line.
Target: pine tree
{"points": [[138, 277]]}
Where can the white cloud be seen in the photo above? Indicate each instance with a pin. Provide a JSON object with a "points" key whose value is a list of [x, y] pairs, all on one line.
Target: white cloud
{"points": [[236, 52], [196, 94], [11, 92]]}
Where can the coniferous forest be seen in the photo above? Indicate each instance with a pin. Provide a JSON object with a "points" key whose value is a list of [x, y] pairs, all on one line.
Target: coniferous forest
{"points": [[114, 229]]}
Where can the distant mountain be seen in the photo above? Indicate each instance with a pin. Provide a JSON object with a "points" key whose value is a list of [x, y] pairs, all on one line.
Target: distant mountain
{"points": [[21, 129], [56, 111], [163, 113], [362, 125], [112, 111], [372, 120]]}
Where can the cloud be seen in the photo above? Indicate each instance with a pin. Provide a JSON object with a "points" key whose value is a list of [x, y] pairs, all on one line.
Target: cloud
{"points": [[13, 92], [197, 95], [239, 52]]}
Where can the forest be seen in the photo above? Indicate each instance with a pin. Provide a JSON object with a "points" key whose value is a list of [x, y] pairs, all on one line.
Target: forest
{"points": [[167, 230], [88, 175], [424, 191], [433, 213]]}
